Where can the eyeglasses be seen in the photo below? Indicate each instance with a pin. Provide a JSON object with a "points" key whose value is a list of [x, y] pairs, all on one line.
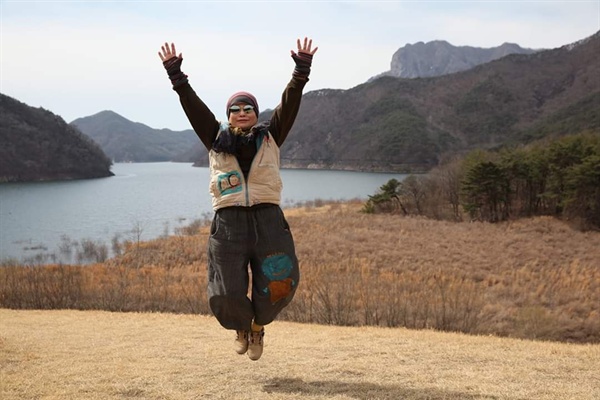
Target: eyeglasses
{"points": [[236, 109]]}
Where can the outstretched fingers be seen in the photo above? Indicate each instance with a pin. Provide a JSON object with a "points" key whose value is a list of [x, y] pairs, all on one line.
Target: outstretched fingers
{"points": [[167, 52], [306, 47]]}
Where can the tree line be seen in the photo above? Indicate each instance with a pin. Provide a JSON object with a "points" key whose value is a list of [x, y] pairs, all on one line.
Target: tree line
{"points": [[556, 177]]}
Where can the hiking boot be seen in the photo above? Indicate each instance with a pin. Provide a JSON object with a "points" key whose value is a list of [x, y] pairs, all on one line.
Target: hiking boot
{"points": [[241, 342], [255, 344]]}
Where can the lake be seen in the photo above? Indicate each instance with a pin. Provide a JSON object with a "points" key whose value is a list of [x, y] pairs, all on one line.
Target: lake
{"points": [[142, 200]]}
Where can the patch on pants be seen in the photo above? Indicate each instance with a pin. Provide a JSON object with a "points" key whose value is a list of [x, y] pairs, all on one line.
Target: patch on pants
{"points": [[277, 268]]}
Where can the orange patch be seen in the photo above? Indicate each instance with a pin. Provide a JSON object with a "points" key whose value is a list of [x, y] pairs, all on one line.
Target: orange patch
{"points": [[280, 289]]}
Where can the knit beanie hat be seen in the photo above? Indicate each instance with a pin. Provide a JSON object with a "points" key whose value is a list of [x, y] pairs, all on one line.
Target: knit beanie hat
{"points": [[242, 97]]}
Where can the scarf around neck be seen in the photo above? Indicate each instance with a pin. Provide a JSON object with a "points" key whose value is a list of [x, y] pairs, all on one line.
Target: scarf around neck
{"points": [[230, 140]]}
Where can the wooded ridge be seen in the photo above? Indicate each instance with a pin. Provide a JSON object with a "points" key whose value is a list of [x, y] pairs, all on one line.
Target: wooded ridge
{"points": [[38, 145], [410, 125]]}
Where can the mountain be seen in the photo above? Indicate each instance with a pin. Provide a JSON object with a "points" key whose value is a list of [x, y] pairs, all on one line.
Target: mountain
{"points": [[409, 125], [126, 141], [422, 60], [38, 145]]}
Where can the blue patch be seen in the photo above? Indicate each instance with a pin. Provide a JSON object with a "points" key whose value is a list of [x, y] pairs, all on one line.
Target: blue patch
{"points": [[277, 267], [230, 182]]}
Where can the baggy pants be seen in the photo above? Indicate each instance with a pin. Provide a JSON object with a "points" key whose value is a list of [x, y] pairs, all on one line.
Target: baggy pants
{"points": [[258, 236]]}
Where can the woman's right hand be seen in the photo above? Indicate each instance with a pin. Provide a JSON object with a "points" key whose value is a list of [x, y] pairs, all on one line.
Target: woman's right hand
{"points": [[167, 52], [172, 63]]}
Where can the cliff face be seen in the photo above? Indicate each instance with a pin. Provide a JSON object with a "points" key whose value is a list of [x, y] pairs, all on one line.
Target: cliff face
{"points": [[436, 58], [38, 145]]}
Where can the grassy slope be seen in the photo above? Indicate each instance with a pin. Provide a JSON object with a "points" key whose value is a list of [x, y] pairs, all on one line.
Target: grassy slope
{"points": [[101, 355]]}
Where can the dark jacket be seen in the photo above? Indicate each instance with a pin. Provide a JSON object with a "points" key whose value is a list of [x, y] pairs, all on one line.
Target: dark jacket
{"points": [[206, 126]]}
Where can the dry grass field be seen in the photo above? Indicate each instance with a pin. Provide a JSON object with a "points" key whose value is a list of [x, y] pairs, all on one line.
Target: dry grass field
{"points": [[533, 278], [528, 278], [99, 355]]}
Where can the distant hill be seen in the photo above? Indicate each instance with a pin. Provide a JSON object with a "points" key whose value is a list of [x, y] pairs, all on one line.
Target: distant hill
{"points": [[438, 57], [38, 145], [410, 125], [126, 141]]}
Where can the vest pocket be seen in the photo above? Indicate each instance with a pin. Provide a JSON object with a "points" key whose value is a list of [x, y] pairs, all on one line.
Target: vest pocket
{"points": [[268, 158]]}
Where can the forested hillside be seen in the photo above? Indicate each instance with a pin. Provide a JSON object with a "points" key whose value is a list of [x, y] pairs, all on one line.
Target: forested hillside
{"points": [[38, 145], [410, 125]]}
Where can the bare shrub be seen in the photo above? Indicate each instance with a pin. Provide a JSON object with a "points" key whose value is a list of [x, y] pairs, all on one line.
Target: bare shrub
{"points": [[116, 245], [41, 287], [195, 226], [458, 303], [534, 322], [334, 302], [91, 251], [66, 247]]}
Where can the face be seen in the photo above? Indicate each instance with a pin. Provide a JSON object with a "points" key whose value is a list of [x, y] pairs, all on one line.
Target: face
{"points": [[242, 115]]}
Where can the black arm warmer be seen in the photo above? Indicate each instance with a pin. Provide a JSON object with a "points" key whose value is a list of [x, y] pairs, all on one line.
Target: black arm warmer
{"points": [[173, 67], [303, 62]]}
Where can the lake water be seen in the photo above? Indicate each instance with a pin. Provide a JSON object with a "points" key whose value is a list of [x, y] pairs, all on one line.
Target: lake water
{"points": [[144, 200]]}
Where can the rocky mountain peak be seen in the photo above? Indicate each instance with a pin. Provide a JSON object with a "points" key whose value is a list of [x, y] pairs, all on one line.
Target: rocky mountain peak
{"points": [[438, 57]]}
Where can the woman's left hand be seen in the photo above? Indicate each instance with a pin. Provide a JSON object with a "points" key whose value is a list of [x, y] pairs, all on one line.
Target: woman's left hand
{"points": [[305, 47]]}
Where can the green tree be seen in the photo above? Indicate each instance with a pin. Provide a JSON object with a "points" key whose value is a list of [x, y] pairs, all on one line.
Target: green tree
{"points": [[527, 173], [486, 192], [563, 155], [582, 192], [387, 199]]}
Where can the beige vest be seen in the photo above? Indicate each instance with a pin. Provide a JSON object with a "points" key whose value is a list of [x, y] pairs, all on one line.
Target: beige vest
{"points": [[228, 186]]}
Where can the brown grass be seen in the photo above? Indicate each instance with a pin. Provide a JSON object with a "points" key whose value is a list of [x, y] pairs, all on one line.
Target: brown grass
{"points": [[99, 355], [535, 278]]}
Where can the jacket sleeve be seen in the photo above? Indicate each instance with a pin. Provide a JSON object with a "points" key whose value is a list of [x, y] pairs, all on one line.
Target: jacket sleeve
{"points": [[285, 113], [203, 121]]}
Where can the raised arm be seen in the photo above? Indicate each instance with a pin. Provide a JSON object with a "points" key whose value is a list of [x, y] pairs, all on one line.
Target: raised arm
{"points": [[285, 113], [201, 118]]}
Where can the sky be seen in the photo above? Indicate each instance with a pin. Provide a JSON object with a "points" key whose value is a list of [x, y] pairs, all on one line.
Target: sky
{"points": [[78, 58]]}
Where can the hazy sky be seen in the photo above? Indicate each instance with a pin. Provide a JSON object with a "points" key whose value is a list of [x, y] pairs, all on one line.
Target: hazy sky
{"points": [[77, 58]]}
